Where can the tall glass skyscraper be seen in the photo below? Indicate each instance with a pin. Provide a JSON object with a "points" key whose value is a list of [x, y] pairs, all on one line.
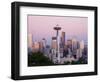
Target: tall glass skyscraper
{"points": [[63, 39]]}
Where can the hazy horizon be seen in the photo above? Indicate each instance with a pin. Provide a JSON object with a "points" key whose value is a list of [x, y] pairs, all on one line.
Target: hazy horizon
{"points": [[42, 27]]}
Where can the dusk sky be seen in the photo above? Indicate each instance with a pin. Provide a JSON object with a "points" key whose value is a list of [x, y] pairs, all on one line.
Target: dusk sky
{"points": [[42, 27]]}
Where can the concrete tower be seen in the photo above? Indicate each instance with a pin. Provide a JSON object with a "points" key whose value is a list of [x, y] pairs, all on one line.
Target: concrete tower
{"points": [[57, 28]]}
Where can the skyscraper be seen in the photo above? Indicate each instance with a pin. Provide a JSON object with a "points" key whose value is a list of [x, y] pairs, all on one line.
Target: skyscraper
{"points": [[36, 46], [63, 39], [54, 43], [81, 47], [82, 44], [54, 49], [74, 44], [69, 44], [41, 46], [44, 42], [30, 42], [44, 45]]}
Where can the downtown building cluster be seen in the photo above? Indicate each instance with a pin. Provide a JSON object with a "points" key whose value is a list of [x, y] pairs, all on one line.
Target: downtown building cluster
{"points": [[60, 50]]}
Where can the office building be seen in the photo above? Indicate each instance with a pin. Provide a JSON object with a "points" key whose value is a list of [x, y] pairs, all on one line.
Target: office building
{"points": [[63, 39], [30, 42], [54, 43], [36, 46], [69, 44], [74, 44]]}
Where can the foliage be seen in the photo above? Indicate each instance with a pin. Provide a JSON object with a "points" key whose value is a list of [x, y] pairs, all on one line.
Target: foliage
{"points": [[80, 61], [67, 63], [38, 59]]}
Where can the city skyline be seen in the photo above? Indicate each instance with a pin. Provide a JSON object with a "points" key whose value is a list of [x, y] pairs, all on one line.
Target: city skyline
{"points": [[50, 45], [42, 27], [60, 51]]}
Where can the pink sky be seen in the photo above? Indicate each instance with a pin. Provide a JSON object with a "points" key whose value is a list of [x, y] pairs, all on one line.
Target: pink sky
{"points": [[42, 27]]}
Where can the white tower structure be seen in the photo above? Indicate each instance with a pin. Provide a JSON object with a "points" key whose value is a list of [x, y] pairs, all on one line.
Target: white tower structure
{"points": [[57, 28]]}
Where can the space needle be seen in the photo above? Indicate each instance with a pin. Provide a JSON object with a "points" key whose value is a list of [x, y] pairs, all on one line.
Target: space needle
{"points": [[57, 28]]}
